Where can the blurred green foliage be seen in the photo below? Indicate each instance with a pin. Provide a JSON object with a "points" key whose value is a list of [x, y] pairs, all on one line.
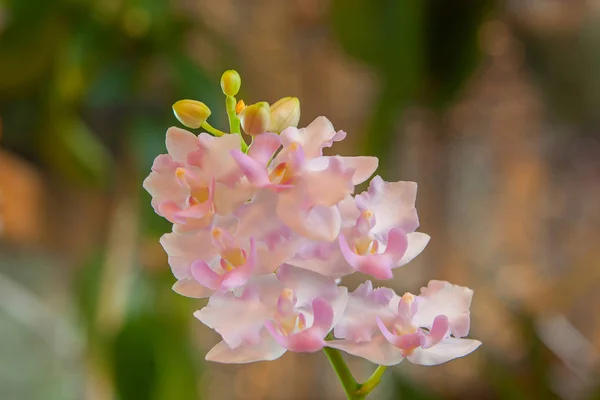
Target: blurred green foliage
{"points": [[564, 64], [85, 91], [78, 76], [422, 50]]}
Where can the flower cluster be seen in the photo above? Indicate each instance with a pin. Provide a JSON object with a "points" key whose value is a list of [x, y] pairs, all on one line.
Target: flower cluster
{"points": [[266, 231]]}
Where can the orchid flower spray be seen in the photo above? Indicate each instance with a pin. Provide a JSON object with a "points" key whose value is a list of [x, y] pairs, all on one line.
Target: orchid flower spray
{"points": [[265, 226]]}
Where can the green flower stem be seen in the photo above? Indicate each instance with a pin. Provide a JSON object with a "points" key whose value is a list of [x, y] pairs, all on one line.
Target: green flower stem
{"points": [[343, 372], [234, 121], [212, 129], [372, 382], [353, 389]]}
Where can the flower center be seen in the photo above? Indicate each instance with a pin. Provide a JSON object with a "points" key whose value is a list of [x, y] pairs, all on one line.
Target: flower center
{"points": [[281, 174], [231, 255], [199, 193], [365, 245], [289, 320], [232, 258]]}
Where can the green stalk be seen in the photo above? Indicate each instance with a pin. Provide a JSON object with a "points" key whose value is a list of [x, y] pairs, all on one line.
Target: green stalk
{"points": [[212, 129], [371, 383], [234, 121], [343, 372], [353, 389]]}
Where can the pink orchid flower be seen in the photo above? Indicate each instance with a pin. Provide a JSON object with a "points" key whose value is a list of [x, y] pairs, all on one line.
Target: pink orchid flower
{"points": [[267, 231], [196, 179], [428, 329], [384, 236], [309, 184], [364, 244], [225, 255], [292, 310]]}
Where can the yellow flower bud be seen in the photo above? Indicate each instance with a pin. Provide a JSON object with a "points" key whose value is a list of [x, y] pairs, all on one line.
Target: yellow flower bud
{"points": [[191, 113], [231, 82], [285, 113], [256, 118], [239, 107]]}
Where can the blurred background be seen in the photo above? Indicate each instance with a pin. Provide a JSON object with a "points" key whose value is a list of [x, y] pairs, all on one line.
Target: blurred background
{"points": [[491, 106]]}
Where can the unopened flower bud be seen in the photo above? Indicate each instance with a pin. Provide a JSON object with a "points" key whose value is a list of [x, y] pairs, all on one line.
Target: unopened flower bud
{"points": [[239, 107], [191, 113], [285, 113], [256, 118], [231, 82]]}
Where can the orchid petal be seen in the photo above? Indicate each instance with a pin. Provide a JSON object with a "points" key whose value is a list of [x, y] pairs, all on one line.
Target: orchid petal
{"points": [[240, 319], [363, 167], [377, 265], [216, 162], [327, 181], [255, 171], [191, 288], [393, 204], [170, 210], [443, 298], [227, 199], [307, 285], [378, 350], [240, 275], [204, 275], [184, 248], [389, 336], [312, 221], [180, 142], [263, 147], [332, 264], [359, 322], [266, 350], [446, 350], [417, 242], [438, 331], [313, 138]]}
